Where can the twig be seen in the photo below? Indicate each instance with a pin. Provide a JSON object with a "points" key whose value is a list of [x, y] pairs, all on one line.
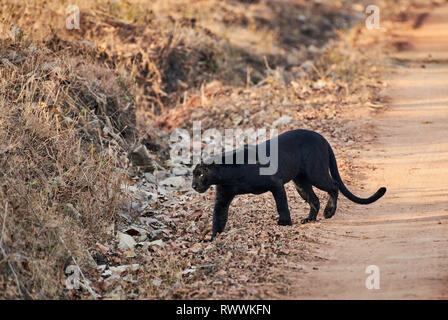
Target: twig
{"points": [[4, 222], [203, 97], [266, 63], [377, 106]]}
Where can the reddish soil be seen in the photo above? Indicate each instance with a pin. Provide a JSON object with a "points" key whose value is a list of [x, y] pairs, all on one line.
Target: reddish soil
{"points": [[405, 232]]}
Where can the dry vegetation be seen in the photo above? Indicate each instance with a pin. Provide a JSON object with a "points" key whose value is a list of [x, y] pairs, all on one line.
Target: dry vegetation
{"points": [[74, 105]]}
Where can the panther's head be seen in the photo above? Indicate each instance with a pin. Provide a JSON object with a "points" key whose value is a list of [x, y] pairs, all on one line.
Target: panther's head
{"points": [[202, 177]]}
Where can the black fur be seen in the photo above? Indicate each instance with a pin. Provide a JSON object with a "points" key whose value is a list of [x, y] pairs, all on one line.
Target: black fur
{"points": [[304, 157]]}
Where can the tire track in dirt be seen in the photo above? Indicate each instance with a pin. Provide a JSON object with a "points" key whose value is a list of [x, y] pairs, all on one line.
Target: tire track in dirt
{"points": [[405, 233]]}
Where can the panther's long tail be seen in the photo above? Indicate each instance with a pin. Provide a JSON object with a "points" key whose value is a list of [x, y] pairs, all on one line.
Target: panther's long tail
{"points": [[335, 174]]}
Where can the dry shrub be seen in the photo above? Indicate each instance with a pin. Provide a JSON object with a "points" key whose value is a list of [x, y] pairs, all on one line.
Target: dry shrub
{"points": [[59, 186], [174, 46]]}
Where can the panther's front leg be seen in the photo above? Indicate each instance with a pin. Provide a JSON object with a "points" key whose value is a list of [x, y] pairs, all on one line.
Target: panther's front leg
{"points": [[223, 198], [282, 206]]}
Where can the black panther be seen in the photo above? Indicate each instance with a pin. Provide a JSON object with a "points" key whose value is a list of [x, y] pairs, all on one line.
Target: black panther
{"points": [[304, 156]]}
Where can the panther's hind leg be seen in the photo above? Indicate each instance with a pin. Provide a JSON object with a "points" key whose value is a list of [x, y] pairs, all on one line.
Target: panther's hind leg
{"points": [[305, 190], [331, 206], [326, 183]]}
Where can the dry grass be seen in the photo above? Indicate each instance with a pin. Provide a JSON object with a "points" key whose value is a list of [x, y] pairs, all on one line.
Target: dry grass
{"points": [[173, 47], [59, 186]]}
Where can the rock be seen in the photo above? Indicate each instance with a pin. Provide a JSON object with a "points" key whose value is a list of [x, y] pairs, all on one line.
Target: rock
{"points": [[135, 206], [141, 157], [189, 270], [125, 241], [237, 120], [291, 60], [129, 254], [111, 229], [313, 49], [282, 121], [149, 221], [130, 278], [139, 233], [147, 244], [140, 193], [150, 177], [15, 33], [319, 84], [156, 243], [175, 182], [307, 66], [123, 268], [101, 267], [180, 171], [106, 273], [176, 286], [156, 235], [156, 282], [111, 279], [161, 174]]}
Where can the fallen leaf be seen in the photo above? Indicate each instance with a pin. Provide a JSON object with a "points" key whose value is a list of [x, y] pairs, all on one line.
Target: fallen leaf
{"points": [[196, 248], [104, 249]]}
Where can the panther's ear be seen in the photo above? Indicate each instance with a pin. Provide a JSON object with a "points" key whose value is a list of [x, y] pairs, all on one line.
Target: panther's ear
{"points": [[213, 169], [210, 167], [199, 166]]}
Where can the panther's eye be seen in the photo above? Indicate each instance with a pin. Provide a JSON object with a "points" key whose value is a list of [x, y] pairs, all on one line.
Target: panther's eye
{"points": [[201, 175]]}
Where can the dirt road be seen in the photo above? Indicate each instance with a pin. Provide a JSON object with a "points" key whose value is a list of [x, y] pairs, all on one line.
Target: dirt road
{"points": [[405, 234]]}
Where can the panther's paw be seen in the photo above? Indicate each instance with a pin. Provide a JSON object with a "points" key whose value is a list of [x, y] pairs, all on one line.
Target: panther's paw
{"points": [[284, 222], [329, 212], [307, 220]]}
